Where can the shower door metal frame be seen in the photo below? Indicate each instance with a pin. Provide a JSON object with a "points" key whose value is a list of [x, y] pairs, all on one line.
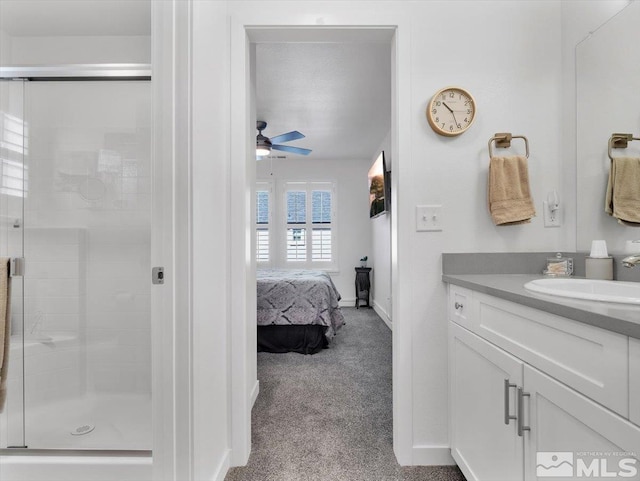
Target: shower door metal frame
{"points": [[112, 71], [16, 276]]}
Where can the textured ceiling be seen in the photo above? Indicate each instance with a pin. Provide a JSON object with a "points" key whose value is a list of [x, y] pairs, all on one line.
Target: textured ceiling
{"points": [[337, 94], [75, 17]]}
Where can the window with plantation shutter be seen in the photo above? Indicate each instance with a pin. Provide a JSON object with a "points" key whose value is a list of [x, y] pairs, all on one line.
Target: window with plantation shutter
{"points": [[296, 225], [309, 223], [263, 223]]}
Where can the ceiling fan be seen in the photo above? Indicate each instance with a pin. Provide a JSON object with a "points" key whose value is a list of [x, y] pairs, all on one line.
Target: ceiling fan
{"points": [[264, 144]]}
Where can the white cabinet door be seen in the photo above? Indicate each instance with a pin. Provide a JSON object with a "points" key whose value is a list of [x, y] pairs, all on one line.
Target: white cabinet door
{"points": [[572, 436], [485, 448]]}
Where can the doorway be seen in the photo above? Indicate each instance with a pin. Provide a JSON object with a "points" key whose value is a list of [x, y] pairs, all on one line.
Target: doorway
{"points": [[245, 385]]}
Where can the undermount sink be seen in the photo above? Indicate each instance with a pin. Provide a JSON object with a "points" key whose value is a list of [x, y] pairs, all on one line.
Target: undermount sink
{"points": [[588, 289]]}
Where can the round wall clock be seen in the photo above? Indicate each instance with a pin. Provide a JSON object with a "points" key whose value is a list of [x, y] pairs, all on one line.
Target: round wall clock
{"points": [[451, 111]]}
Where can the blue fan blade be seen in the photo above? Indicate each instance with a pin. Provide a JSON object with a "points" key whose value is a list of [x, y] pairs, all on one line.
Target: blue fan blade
{"points": [[293, 150], [288, 137]]}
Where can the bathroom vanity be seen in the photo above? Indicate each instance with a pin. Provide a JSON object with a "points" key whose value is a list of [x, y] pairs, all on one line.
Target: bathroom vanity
{"points": [[539, 384]]}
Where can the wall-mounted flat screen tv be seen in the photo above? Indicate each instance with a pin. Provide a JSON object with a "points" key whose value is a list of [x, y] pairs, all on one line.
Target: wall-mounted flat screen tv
{"points": [[379, 187]]}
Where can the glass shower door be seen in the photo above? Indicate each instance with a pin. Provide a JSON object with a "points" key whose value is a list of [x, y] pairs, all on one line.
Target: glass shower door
{"points": [[13, 189], [75, 205], [87, 235]]}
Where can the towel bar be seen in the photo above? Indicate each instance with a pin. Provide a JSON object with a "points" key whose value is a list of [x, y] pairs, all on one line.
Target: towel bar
{"points": [[619, 141], [503, 140], [16, 267]]}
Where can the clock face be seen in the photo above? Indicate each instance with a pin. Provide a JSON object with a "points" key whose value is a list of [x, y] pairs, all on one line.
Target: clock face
{"points": [[451, 111]]}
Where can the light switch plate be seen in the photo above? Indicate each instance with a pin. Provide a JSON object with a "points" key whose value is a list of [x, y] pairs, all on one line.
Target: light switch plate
{"points": [[429, 218]]}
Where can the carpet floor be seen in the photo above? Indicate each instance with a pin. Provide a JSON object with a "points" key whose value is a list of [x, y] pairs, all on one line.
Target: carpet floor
{"points": [[328, 416]]}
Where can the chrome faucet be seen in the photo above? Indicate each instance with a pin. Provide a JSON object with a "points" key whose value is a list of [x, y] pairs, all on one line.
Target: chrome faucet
{"points": [[631, 261]]}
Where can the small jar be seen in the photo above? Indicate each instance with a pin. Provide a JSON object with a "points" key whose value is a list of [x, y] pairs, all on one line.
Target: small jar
{"points": [[559, 266]]}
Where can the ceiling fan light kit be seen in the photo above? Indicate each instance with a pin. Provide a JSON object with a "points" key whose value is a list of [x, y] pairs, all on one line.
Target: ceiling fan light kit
{"points": [[264, 144]]}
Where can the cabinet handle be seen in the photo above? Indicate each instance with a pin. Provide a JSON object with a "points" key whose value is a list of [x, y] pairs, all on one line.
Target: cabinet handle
{"points": [[507, 417], [521, 426], [457, 305]]}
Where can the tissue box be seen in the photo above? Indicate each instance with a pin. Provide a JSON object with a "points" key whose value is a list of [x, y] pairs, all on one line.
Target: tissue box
{"points": [[599, 268]]}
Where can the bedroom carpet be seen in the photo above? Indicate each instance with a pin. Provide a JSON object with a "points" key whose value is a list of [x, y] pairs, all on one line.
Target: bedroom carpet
{"points": [[328, 416]]}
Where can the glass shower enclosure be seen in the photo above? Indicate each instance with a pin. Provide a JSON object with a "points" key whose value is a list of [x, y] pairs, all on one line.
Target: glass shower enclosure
{"points": [[75, 220]]}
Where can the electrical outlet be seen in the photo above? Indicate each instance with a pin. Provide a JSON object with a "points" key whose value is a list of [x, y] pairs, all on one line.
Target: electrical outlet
{"points": [[428, 218], [551, 219]]}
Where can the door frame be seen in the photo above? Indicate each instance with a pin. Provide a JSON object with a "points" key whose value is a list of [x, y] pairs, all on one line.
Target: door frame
{"points": [[171, 302], [276, 20]]}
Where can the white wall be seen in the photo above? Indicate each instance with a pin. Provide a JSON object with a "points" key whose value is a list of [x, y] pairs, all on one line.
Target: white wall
{"points": [[80, 50], [514, 74], [5, 48], [381, 250], [212, 309], [352, 213]]}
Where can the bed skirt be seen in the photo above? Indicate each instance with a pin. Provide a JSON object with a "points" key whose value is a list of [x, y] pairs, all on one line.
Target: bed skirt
{"points": [[304, 339]]}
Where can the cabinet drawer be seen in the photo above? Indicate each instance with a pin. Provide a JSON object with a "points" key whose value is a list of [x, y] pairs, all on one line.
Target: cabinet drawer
{"points": [[460, 306], [592, 361], [634, 380]]}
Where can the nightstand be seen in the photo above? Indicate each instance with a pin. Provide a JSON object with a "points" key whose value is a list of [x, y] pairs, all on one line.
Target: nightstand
{"points": [[363, 285]]}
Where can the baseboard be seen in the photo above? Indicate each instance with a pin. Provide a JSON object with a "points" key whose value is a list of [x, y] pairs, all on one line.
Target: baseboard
{"points": [[223, 467], [75, 468], [383, 314], [254, 393], [432, 456], [351, 302]]}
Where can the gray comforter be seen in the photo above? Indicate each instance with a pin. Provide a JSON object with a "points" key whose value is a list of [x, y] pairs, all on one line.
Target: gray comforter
{"points": [[298, 297]]}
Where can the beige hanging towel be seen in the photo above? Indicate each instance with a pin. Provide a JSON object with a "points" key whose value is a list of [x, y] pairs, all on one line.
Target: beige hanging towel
{"points": [[5, 327], [510, 201], [623, 191]]}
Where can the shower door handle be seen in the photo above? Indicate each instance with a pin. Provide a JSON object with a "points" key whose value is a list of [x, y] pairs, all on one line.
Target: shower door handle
{"points": [[16, 267], [157, 275]]}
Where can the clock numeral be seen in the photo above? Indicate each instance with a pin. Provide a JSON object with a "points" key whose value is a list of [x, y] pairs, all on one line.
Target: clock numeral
{"points": [[466, 120], [437, 119], [451, 128], [443, 124], [468, 111], [438, 103], [459, 126], [467, 102], [451, 95], [434, 111]]}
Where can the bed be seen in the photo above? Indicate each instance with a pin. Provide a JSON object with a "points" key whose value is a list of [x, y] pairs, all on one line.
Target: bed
{"points": [[297, 310]]}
